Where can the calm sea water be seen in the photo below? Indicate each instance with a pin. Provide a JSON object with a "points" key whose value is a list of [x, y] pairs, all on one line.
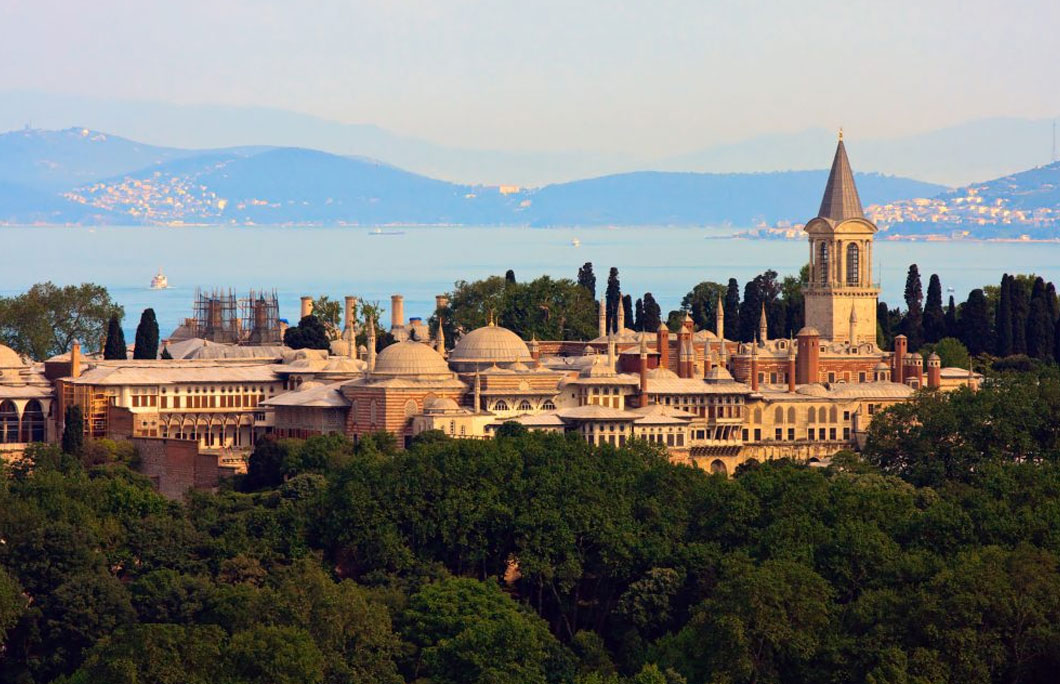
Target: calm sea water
{"points": [[423, 262]]}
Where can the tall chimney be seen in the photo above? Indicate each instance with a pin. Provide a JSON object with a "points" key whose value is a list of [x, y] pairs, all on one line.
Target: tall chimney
{"points": [[602, 321], [719, 319], [901, 342], [754, 367], [662, 345], [351, 316], [808, 366], [791, 365], [307, 307], [75, 359], [643, 370], [620, 315], [934, 371], [397, 311], [370, 343]]}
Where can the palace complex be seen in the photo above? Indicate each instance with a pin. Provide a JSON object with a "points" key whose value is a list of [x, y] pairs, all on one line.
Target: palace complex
{"points": [[710, 401]]}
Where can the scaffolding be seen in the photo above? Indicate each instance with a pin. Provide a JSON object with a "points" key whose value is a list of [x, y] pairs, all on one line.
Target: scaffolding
{"points": [[216, 317], [260, 316]]}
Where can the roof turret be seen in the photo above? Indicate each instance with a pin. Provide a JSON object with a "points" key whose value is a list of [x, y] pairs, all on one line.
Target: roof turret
{"points": [[840, 201]]}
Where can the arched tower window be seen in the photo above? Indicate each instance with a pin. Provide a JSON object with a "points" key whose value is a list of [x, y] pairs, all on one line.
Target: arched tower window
{"points": [[791, 415], [778, 415], [822, 262], [33, 422], [811, 415], [8, 422], [853, 264]]}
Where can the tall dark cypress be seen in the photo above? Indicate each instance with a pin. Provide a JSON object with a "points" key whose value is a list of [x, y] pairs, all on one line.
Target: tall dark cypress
{"points": [[146, 336], [638, 315], [1003, 319], [975, 323], [587, 279], [952, 329], [614, 288], [1021, 307], [732, 309], [1051, 301], [883, 326], [913, 323], [509, 277], [73, 430], [1039, 324], [115, 348], [934, 316], [652, 313], [627, 309]]}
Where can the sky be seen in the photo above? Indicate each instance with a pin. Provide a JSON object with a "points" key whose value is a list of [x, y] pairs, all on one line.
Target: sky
{"points": [[647, 78]]}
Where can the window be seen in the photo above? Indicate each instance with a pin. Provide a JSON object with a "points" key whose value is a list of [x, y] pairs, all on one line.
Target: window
{"points": [[758, 415], [811, 415], [853, 264], [831, 377], [779, 434], [791, 414], [778, 415], [500, 405], [791, 434], [846, 434], [831, 434], [822, 263], [833, 415], [547, 405], [810, 434], [33, 422], [524, 405], [758, 434], [861, 376], [846, 415]]}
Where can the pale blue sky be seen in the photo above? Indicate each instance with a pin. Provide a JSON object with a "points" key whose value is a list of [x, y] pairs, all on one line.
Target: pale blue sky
{"points": [[649, 78]]}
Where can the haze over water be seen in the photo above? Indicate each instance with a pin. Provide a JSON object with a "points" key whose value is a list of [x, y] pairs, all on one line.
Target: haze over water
{"points": [[425, 261]]}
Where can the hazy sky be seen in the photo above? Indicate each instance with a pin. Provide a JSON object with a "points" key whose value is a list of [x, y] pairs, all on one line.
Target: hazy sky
{"points": [[649, 78]]}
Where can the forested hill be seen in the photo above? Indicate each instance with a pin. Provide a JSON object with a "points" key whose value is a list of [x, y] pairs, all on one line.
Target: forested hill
{"points": [[80, 176], [541, 559]]}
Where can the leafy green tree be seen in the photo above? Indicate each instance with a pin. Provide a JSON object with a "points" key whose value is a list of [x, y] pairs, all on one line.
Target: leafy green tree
{"points": [[329, 312], [1040, 323], [12, 603], [274, 655], [46, 319], [763, 290], [627, 309], [310, 333], [701, 303], [146, 343], [73, 430], [115, 348], [156, 653], [934, 316], [952, 353], [1021, 305], [952, 326], [638, 315], [266, 465], [587, 279]]}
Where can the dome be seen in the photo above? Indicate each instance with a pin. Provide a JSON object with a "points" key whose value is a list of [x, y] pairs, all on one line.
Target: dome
{"points": [[9, 358], [409, 358], [807, 331], [491, 344], [439, 405]]}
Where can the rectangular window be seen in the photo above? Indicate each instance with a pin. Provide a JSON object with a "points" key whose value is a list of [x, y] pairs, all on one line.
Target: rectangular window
{"points": [[165, 402], [810, 434], [773, 378], [846, 434], [780, 434], [831, 377], [791, 434], [846, 415], [680, 440], [758, 434], [861, 376], [669, 440], [831, 434]]}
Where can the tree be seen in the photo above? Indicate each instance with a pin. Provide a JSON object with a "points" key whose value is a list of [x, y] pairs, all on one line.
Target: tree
{"points": [[275, 655], [1040, 324], [12, 603], [46, 319], [587, 279], [1021, 305], [884, 332], [509, 277], [763, 290], [310, 333], [934, 316], [913, 323], [652, 313], [952, 354], [701, 303], [638, 315], [1003, 319], [612, 297], [146, 343], [115, 348], [794, 302], [732, 309], [975, 323], [73, 430], [627, 309], [952, 329], [329, 312], [158, 653]]}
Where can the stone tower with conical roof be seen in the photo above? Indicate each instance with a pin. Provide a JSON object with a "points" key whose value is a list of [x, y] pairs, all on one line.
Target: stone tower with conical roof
{"points": [[841, 296]]}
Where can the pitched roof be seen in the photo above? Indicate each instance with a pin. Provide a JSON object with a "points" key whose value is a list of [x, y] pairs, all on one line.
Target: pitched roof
{"points": [[840, 201]]}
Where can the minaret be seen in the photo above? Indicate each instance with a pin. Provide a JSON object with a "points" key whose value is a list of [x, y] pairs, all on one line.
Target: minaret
{"points": [[719, 318], [371, 344], [791, 365], [643, 370], [620, 316], [754, 366], [706, 358], [611, 352], [763, 326], [478, 391], [602, 321], [853, 332], [535, 348]]}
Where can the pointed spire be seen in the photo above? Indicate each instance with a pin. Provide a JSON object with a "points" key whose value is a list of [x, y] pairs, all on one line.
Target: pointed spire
{"points": [[840, 199], [763, 326]]}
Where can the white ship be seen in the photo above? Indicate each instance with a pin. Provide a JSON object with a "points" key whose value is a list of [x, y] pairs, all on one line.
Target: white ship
{"points": [[160, 281], [575, 242]]}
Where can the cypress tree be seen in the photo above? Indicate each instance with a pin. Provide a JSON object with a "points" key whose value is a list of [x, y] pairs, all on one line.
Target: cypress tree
{"points": [[1050, 300], [638, 315], [1021, 307], [652, 313], [509, 277], [146, 336], [1039, 324], [115, 348], [612, 295], [951, 319], [1003, 318], [73, 430], [975, 323], [913, 323], [732, 309], [934, 316], [587, 279], [884, 334], [627, 309]]}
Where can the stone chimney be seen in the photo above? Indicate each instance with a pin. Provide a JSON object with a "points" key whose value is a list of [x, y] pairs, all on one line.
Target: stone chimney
{"points": [[754, 367], [620, 316], [350, 317], [75, 359], [307, 307], [808, 362], [791, 366], [602, 320], [397, 311], [901, 344], [662, 345], [719, 319], [643, 370]]}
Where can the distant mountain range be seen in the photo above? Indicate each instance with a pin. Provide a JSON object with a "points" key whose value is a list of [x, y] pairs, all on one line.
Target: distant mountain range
{"points": [[84, 176], [953, 155]]}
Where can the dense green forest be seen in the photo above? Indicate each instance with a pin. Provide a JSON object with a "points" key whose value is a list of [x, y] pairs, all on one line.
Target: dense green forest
{"points": [[539, 558]]}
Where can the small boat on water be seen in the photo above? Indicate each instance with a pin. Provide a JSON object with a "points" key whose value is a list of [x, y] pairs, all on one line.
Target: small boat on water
{"points": [[160, 281], [575, 243], [380, 231]]}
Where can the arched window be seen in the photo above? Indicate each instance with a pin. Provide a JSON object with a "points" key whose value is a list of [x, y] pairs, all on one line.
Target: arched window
{"points": [[778, 416], [501, 405], [8, 422], [811, 415], [547, 405], [33, 422], [524, 405], [833, 415], [822, 262], [716, 466], [791, 414], [758, 415], [410, 408], [853, 264]]}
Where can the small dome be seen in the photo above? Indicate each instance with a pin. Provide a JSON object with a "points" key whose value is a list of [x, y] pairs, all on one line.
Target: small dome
{"points": [[808, 331], [882, 366], [490, 344], [9, 358], [439, 404], [409, 358], [308, 385], [661, 373]]}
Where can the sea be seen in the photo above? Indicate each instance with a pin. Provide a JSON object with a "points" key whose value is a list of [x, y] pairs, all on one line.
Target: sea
{"points": [[420, 262]]}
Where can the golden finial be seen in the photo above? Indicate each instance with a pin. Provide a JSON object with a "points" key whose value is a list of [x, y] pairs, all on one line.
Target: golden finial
{"points": [[840, 134]]}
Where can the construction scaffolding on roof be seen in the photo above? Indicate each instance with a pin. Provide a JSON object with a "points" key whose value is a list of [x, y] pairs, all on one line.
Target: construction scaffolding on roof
{"points": [[217, 317], [260, 316]]}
